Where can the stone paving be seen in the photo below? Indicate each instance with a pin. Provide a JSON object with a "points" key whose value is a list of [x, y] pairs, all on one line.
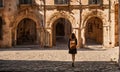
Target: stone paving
{"points": [[57, 59]]}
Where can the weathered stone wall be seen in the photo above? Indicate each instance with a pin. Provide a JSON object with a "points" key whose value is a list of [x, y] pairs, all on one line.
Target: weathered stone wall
{"points": [[105, 13], [45, 16], [12, 13], [9, 11]]}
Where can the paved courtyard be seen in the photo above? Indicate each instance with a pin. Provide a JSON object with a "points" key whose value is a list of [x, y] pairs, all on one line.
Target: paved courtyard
{"points": [[57, 59]]}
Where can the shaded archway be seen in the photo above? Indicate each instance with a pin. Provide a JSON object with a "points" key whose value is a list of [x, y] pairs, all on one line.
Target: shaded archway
{"points": [[94, 31], [26, 32], [61, 31]]}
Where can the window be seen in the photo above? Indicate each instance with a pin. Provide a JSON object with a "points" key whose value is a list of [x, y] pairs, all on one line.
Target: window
{"points": [[1, 33], [1, 3], [61, 1], [25, 1], [95, 1]]}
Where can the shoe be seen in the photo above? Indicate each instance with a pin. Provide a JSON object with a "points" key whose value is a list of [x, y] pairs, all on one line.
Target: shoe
{"points": [[73, 65]]}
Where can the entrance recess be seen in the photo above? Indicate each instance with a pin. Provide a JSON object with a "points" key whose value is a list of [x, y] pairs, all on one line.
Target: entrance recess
{"points": [[94, 31], [26, 32], [61, 31]]}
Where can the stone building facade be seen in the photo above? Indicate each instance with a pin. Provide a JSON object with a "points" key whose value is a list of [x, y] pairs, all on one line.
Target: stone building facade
{"points": [[50, 22]]}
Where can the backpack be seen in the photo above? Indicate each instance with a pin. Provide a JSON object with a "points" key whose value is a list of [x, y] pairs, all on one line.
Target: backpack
{"points": [[72, 44]]}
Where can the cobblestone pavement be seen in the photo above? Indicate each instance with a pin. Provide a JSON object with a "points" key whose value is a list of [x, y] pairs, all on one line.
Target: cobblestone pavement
{"points": [[55, 59]]}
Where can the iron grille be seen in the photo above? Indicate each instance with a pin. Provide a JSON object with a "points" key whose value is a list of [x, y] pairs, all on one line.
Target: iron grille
{"points": [[25, 1], [61, 1]]}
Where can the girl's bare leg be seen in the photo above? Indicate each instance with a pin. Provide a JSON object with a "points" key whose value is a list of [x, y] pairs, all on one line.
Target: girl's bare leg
{"points": [[73, 59]]}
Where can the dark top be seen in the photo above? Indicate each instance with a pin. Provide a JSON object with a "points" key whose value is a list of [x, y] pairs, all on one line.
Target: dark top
{"points": [[72, 51]]}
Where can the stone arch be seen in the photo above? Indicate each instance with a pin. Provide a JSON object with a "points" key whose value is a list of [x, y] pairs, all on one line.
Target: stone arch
{"points": [[22, 16], [31, 16], [62, 33], [94, 31], [58, 15], [88, 16], [26, 32]]}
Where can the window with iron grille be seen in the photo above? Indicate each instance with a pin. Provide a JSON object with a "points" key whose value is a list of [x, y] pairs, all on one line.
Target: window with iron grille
{"points": [[95, 2], [25, 1], [1, 3], [1, 31], [61, 1]]}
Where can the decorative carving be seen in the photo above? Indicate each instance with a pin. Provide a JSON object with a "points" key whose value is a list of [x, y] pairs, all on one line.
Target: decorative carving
{"points": [[60, 14]]}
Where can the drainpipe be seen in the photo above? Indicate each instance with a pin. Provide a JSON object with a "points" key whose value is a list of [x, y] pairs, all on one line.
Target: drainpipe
{"points": [[109, 20], [119, 29], [109, 11], [80, 39]]}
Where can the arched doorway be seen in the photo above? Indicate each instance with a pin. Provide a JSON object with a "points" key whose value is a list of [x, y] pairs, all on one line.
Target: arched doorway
{"points": [[26, 32], [94, 31], [61, 31]]}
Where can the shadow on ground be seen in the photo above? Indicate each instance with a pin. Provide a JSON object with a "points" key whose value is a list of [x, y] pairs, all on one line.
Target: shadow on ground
{"points": [[56, 66]]}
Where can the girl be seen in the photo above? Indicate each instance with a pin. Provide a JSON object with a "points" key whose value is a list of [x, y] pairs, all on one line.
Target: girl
{"points": [[72, 47]]}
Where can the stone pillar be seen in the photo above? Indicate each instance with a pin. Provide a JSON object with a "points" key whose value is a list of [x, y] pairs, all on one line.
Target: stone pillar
{"points": [[48, 37], [82, 38], [7, 35], [42, 37], [38, 33], [112, 33], [79, 39], [76, 31], [15, 38], [106, 38], [112, 25]]}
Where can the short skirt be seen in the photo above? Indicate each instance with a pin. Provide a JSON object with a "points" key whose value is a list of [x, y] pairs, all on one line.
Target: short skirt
{"points": [[72, 51]]}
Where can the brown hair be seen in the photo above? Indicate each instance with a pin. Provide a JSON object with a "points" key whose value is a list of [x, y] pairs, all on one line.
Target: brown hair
{"points": [[72, 36]]}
